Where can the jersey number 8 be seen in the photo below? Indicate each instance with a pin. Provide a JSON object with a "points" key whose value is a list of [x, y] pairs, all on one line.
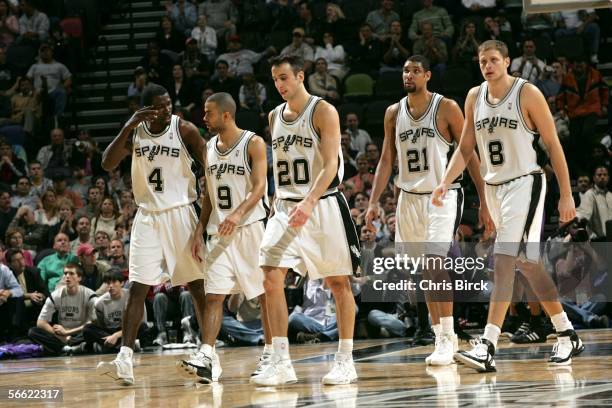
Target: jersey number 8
{"points": [[495, 152]]}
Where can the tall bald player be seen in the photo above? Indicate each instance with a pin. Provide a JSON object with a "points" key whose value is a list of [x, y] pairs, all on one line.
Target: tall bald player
{"points": [[421, 131], [311, 230], [502, 117], [162, 147], [234, 209]]}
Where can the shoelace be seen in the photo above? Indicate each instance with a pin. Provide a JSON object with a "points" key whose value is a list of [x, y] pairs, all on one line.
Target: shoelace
{"points": [[477, 343], [263, 361], [341, 367], [559, 344], [445, 343]]}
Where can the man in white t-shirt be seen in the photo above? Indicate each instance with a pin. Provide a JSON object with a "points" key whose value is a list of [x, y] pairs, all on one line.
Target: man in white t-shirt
{"points": [[527, 66]]}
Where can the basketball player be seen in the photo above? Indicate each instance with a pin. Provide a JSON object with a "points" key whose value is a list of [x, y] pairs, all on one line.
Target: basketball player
{"points": [[162, 146], [424, 128], [311, 230], [503, 115], [234, 208]]}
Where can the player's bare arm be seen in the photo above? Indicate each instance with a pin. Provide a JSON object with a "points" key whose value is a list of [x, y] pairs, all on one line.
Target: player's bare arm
{"points": [[198, 239], [452, 117], [385, 164], [463, 154], [327, 124], [259, 168], [193, 140], [538, 116], [121, 146]]}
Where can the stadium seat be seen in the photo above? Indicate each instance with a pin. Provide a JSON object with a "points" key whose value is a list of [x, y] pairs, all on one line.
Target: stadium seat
{"points": [[21, 56], [389, 86], [570, 47], [457, 80], [247, 119], [374, 117], [358, 87], [279, 39], [347, 108]]}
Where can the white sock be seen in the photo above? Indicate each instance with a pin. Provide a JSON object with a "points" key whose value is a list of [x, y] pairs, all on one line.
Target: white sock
{"points": [[491, 333], [281, 347], [561, 322], [207, 349], [345, 346], [437, 329], [447, 325], [268, 349], [128, 352]]}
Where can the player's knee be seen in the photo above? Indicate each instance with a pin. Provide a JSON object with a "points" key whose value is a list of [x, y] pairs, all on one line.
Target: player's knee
{"points": [[273, 283], [338, 284], [213, 299]]}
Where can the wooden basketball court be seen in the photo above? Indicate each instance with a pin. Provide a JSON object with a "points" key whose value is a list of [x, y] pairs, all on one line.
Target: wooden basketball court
{"points": [[391, 375]]}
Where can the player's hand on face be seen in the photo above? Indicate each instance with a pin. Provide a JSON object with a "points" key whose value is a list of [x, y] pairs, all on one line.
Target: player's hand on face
{"points": [[228, 225], [198, 243], [148, 113], [567, 209], [438, 195], [300, 214], [484, 218]]}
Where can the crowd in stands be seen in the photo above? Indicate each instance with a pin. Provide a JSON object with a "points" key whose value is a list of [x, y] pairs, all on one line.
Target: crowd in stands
{"points": [[65, 223]]}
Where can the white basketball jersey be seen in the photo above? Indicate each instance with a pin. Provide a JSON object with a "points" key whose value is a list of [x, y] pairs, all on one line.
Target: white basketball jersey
{"points": [[297, 153], [162, 176], [422, 151], [505, 143], [228, 181]]}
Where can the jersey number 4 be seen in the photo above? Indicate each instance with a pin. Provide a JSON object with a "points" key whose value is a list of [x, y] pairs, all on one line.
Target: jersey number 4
{"points": [[156, 180]]}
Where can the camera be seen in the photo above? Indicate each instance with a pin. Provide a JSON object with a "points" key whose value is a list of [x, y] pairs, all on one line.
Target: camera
{"points": [[578, 231], [82, 146]]}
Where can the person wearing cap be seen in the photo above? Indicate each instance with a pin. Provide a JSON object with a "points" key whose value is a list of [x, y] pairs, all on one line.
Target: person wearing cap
{"points": [[36, 236], [52, 77], [62, 191], [240, 61], [300, 48], [52, 266], [93, 269], [138, 86]]}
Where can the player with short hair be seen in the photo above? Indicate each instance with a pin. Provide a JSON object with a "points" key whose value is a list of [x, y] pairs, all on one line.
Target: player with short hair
{"points": [[162, 146], [311, 230], [502, 117], [234, 209], [422, 131]]}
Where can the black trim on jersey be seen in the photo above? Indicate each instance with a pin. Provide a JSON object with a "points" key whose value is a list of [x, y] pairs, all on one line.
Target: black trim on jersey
{"points": [[293, 122], [486, 94], [336, 181], [536, 192], [449, 155], [407, 108], [272, 117], [310, 120], [352, 239], [515, 178], [245, 153], [146, 129], [228, 151], [427, 192], [297, 200], [459, 213], [520, 111], [435, 123]]}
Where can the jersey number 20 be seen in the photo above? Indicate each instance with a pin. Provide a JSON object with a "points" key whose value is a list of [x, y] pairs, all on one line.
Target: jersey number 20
{"points": [[300, 172]]}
